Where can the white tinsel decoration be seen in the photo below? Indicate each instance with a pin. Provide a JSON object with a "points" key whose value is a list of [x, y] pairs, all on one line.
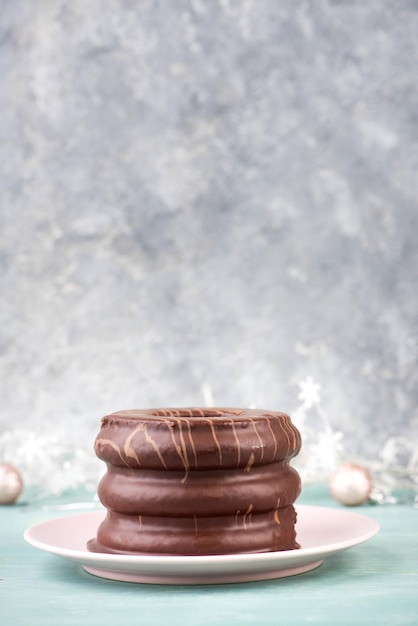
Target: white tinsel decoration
{"points": [[322, 446], [48, 464], [323, 451]]}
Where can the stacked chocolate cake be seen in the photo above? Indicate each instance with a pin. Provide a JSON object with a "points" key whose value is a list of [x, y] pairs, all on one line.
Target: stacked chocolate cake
{"points": [[197, 482]]}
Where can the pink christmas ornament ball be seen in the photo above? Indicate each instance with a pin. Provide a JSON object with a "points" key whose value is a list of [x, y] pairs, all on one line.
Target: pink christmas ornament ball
{"points": [[350, 484], [11, 484]]}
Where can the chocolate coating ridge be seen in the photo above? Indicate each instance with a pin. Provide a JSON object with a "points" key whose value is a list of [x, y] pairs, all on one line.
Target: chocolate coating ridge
{"points": [[205, 493], [243, 532], [184, 439]]}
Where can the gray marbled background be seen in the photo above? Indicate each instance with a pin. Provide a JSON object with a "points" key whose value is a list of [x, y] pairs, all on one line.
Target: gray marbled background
{"points": [[209, 203]]}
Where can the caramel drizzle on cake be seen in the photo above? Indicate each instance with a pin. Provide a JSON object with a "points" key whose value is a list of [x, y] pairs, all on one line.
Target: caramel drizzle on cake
{"points": [[112, 444]]}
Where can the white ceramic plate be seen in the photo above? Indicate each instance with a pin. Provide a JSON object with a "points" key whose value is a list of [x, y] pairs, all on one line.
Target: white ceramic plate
{"points": [[320, 531]]}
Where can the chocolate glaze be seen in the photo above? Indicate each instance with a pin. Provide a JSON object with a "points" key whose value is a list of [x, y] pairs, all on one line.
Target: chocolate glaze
{"points": [[197, 481], [205, 493], [244, 532]]}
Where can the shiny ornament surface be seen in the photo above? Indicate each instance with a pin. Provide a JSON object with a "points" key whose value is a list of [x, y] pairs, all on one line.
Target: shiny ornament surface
{"points": [[11, 483], [350, 484]]}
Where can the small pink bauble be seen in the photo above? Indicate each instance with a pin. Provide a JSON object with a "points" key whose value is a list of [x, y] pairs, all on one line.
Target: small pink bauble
{"points": [[350, 484], [11, 483]]}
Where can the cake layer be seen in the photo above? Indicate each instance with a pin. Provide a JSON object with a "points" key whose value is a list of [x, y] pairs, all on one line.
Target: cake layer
{"points": [[186, 439], [243, 532], [204, 493]]}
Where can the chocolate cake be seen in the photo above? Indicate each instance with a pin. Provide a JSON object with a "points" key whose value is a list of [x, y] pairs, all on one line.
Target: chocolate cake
{"points": [[197, 482]]}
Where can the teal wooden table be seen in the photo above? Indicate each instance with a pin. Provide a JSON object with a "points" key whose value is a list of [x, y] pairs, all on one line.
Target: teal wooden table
{"points": [[374, 583]]}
